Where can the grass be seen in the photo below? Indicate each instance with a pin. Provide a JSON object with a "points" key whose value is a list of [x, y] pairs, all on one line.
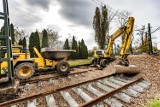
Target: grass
{"points": [[153, 103], [79, 62]]}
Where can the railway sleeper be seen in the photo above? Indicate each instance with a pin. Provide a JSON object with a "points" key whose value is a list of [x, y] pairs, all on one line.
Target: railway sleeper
{"points": [[82, 94], [109, 101], [112, 79], [136, 88], [32, 103], [133, 87], [122, 79], [128, 91], [69, 99], [123, 97], [50, 101], [143, 85]]}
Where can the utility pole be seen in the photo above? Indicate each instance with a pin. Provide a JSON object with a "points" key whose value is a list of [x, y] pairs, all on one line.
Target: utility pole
{"points": [[143, 28], [150, 39]]}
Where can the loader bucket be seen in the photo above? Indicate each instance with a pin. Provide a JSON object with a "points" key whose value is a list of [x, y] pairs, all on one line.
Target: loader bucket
{"points": [[52, 54]]}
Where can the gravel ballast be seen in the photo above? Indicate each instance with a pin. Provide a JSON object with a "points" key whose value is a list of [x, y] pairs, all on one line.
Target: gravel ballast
{"points": [[149, 69]]}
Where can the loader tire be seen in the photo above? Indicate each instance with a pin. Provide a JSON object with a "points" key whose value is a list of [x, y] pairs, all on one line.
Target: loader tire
{"points": [[63, 67], [104, 62], [24, 70]]}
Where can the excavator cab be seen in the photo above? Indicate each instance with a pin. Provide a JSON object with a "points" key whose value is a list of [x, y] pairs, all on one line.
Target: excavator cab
{"points": [[100, 52]]}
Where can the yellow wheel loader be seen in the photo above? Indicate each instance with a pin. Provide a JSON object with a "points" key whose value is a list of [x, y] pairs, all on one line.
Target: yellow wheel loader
{"points": [[25, 67], [102, 58]]}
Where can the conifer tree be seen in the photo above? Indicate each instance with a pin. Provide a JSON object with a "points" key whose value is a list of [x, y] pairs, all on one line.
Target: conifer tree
{"points": [[74, 47], [20, 42], [31, 44], [80, 50], [2, 32], [44, 39], [12, 33], [66, 45], [101, 26], [84, 50], [37, 41], [24, 43]]}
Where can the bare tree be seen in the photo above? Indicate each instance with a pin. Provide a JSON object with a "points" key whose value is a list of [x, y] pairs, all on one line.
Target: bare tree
{"points": [[53, 37], [19, 34], [121, 21], [111, 16], [58, 45]]}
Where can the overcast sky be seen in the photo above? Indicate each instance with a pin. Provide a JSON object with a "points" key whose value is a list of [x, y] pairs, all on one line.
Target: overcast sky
{"points": [[75, 17]]}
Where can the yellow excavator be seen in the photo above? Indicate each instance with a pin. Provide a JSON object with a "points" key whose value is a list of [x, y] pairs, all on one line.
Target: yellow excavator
{"points": [[102, 58]]}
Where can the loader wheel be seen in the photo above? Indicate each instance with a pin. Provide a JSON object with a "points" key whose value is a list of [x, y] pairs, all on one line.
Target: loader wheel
{"points": [[63, 67], [104, 62], [24, 70]]}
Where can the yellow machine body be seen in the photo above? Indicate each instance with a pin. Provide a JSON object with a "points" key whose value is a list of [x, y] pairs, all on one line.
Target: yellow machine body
{"points": [[19, 57]]}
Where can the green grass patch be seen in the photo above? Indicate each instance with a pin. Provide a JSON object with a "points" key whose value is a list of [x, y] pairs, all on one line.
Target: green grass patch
{"points": [[79, 62], [153, 103]]}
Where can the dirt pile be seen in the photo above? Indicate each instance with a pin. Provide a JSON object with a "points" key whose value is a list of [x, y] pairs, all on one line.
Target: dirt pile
{"points": [[150, 71], [149, 66]]}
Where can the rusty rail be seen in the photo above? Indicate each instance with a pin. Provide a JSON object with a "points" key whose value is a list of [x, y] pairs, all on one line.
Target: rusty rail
{"points": [[49, 92], [108, 94], [47, 78]]}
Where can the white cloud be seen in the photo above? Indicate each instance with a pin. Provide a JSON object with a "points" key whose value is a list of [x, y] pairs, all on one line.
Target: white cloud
{"points": [[31, 16]]}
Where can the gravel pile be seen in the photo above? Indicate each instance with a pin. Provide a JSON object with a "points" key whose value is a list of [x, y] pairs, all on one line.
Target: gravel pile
{"points": [[150, 71]]}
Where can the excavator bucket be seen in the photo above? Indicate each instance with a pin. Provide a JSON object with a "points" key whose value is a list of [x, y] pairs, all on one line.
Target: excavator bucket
{"points": [[131, 69]]}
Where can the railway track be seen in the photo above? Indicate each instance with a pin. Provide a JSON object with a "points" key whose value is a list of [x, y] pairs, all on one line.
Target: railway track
{"points": [[23, 82], [85, 69], [113, 91]]}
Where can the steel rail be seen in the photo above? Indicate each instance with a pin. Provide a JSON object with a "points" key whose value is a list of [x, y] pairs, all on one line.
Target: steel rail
{"points": [[52, 77], [108, 94]]}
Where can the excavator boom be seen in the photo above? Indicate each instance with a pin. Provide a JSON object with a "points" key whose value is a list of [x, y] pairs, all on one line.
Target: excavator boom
{"points": [[111, 41], [127, 36]]}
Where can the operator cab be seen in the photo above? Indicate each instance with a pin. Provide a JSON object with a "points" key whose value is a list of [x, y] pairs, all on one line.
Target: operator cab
{"points": [[100, 52]]}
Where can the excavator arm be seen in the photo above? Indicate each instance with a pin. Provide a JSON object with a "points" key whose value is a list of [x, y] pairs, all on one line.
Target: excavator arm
{"points": [[126, 42], [127, 36], [111, 41], [127, 31]]}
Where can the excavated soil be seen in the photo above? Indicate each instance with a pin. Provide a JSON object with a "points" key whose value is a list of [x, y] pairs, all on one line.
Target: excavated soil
{"points": [[150, 71]]}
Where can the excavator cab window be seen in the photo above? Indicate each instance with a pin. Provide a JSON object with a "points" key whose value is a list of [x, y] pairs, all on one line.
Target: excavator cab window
{"points": [[99, 52]]}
